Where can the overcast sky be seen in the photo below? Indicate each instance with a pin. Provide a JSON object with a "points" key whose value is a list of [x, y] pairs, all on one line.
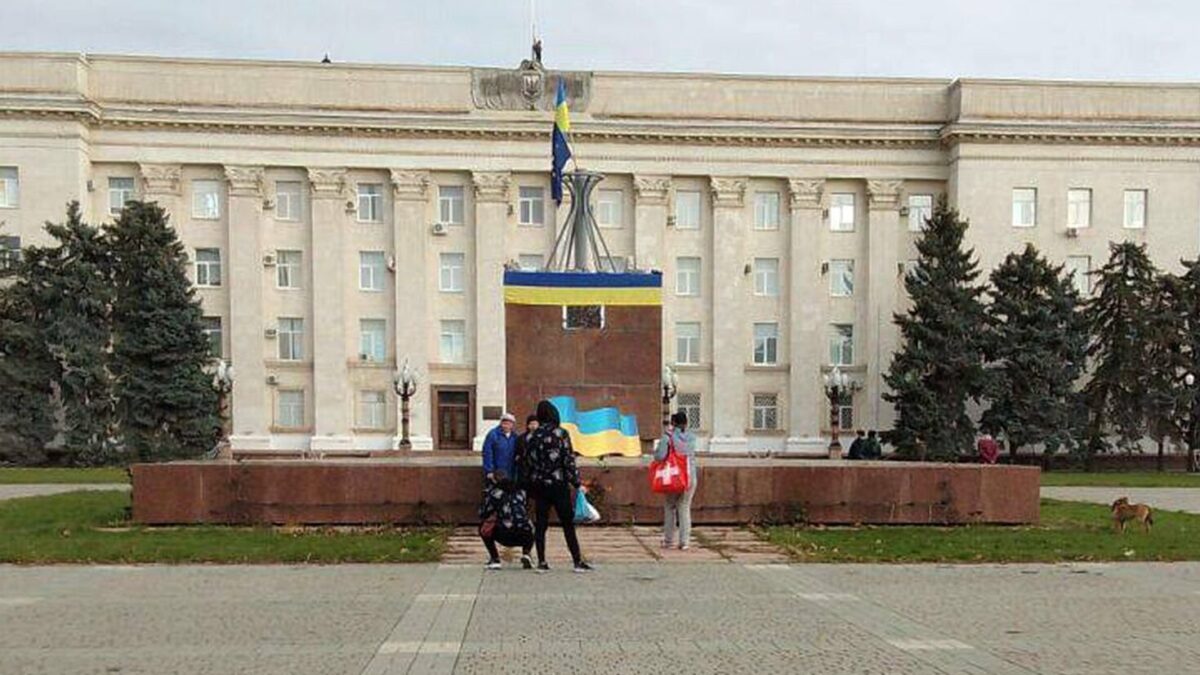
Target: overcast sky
{"points": [[1079, 39]]}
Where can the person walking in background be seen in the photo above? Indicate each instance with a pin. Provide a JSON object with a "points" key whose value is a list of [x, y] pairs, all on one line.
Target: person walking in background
{"points": [[858, 446], [499, 448], [550, 463], [873, 448], [677, 509], [989, 450], [521, 453], [504, 519]]}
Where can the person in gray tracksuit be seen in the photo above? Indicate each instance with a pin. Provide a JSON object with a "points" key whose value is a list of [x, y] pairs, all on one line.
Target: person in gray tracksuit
{"points": [[677, 509]]}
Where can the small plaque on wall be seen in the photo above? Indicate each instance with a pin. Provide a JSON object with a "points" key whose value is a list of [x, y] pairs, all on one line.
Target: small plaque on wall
{"points": [[492, 412]]}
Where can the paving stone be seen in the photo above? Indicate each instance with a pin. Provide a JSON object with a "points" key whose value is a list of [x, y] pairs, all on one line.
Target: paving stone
{"points": [[1165, 499]]}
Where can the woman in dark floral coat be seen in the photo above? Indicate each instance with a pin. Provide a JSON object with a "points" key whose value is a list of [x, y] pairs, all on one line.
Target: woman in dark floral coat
{"points": [[548, 468], [504, 520]]}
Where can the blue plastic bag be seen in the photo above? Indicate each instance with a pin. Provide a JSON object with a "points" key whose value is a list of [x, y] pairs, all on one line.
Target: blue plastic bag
{"points": [[584, 511]]}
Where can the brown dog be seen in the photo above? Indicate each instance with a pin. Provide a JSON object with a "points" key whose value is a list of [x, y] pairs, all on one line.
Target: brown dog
{"points": [[1123, 512]]}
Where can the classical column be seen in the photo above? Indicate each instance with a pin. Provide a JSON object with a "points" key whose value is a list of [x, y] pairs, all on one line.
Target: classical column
{"points": [[160, 183], [410, 234], [333, 399], [882, 282], [491, 223], [806, 402], [250, 409], [732, 341], [650, 220]]}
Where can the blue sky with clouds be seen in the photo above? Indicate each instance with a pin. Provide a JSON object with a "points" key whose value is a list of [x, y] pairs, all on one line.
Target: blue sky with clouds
{"points": [[1092, 39]]}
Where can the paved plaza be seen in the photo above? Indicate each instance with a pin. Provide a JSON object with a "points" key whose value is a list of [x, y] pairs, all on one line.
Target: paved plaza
{"points": [[39, 489], [720, 617], [1164, 499]]}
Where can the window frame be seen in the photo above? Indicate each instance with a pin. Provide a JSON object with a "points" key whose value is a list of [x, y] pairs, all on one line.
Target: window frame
{"points": [[769, 344], [1073, 210], [680, 222], [214, 190], [759, 412], [838, 211], [846, 267], [129, 193], [534, 203], [523, 258], [766, 277], [452, 199], [10, 186], [376, 351], [1033, 221], [377, 418], [293, 270], [372, 193], [695, 422], [693, 274], [289, 331], [1086, 291], [299, 406], [611, 200], [844, 344], [218, 333], [916, 223], [767, 210], [461, 336], [208, 266], [448, 273], [294, 200], [692, 342], [1145, 206], [376, 272]]}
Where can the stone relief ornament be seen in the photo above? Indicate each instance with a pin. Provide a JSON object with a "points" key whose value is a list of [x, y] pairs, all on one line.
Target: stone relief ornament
{"points": [[327, 183], [652, 189], [160, 179], [410, 185], [245, 180], [529, 87], [728, 191], [806, 192], [884, 194], [491, 186]]}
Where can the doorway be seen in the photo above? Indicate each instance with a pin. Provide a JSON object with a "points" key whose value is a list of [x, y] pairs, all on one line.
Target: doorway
{"points": [[454, 417]]}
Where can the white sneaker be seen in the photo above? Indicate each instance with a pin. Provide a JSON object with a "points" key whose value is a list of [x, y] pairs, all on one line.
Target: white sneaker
{"points": [[494, 565]]}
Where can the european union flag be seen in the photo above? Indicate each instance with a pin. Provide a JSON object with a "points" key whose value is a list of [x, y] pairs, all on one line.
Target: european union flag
{"points": [[558, 142]]}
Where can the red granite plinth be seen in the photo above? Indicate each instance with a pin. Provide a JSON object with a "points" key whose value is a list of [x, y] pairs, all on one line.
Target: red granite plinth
{"points": [[435, 490]]}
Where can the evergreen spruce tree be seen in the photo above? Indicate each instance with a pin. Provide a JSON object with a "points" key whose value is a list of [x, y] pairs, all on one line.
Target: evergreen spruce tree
{"points": [[1185, 305], [1036, 346], [166, 401], [1122, 327], [70, 285], [27, 403], [940, 363], [1166, 390]]}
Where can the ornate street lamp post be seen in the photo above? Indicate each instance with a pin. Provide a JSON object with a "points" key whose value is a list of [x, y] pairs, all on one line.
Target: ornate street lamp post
{"points": [[837, 384], [404, 382], [223, 381], [670, 386]]}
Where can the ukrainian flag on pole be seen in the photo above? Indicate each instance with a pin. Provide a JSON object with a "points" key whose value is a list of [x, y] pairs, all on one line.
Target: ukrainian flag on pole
{"points": [[558, 142]]}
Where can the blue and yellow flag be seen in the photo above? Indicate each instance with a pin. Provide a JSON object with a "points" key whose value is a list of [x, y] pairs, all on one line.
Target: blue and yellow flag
{"points": [[558, 142]]}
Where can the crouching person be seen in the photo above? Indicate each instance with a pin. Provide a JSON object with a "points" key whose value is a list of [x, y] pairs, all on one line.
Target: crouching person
{"points": [[504, 520]]}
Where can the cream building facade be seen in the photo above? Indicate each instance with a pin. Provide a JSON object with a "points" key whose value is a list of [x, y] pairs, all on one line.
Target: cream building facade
{"points": [[343, 218]]}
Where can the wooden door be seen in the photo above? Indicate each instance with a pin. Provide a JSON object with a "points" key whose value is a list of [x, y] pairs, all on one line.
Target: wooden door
{"points": [[455, 417]]}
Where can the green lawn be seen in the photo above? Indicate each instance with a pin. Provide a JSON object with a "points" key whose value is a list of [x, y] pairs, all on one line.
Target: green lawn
{"points": [[1068, 531], [1118, 479], [63, 475], [92, 527]]}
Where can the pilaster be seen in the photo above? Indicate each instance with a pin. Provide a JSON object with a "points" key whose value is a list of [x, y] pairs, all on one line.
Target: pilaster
{"points": [[492, 198], [251, 414], [650, 220], [806, 317], [882, 283], [332, 398], [410, 240], [731, 331]]}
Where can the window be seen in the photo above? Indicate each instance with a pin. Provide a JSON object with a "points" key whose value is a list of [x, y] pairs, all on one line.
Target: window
{"points": [[206, 199], [532, 205], [291, 409], [845, 412], [1079, 207], [610, 208], [1079, 267], [370, 270], [766, 277], [10, 251], [450, 204], [208, 267], [120, 190], [287, 269], [212, 331], [10, 188], [766, 210], [841, 278], [372, 410], [370, 203], [689, 404], [1024, 207], [687, 276], [920, 210], [372, 342], [529, 262], [766, 344], [579, 317], [287, 200], [765, 408], [687, 342], [841, 212], [1135, 209], [450, 275], [687, 210], [452, 347], [841, 345], [291, 339]]}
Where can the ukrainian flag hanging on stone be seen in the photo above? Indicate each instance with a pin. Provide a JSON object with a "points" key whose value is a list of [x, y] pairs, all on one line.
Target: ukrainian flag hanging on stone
{"points": [[599, 432], [571, 289], [559, 147]]}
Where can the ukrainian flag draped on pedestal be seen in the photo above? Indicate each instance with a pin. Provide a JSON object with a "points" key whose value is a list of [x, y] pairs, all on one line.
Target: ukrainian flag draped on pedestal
{"points": [[560, 150]]}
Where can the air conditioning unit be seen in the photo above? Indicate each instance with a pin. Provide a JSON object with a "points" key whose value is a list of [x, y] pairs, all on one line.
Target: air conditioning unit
{"points": [[91, 185], [1072, 232], [272, 380], [268, 205], [824, 267], [271, 333], [269, 259], [351, 207], [904, 210], [670, 221], [439, 229], [391, 263], [363, 357]]}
